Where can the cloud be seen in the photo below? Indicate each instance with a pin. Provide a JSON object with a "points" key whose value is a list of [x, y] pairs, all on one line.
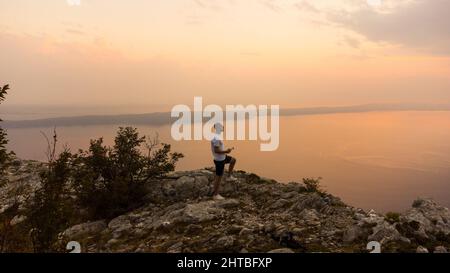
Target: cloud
{"points": [[351, 41], [271, 5], [194, 20], [306, 6], [74, 28], [208, 4], [75, 32], [420, 24]]}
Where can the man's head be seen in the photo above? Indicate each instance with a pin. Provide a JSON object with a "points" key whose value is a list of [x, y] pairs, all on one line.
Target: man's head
{"points": [[218, 128]]}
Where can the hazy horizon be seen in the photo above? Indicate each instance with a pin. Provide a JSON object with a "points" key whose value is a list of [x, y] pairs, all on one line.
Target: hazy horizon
{"points": [[50, 116]]}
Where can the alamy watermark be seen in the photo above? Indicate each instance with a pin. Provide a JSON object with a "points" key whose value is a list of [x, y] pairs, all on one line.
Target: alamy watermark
{"points": [[263, 123], [73, 2]]}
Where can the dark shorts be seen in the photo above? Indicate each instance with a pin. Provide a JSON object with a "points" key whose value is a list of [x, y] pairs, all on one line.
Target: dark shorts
{"points": [[220, 165]]}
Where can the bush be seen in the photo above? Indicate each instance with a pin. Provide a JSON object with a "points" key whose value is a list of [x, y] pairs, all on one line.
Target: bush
{"points": [[110, 181], [392, 217], [417, 203], [312, 184], [103, 181], [5, 156], [11, 236], [50, 210]]}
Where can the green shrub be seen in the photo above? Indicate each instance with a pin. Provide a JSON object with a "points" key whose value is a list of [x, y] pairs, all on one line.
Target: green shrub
{"points": [[417, 203], [102, 181], [392, 217], [5, 156], [109, 181], [11, 236], [312, 184], [51, 209]]}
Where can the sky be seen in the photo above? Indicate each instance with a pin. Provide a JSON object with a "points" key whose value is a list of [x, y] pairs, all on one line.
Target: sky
{"points": [[295, 53]]}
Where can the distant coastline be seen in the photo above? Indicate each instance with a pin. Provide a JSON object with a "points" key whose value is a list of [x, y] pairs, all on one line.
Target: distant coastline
{"points": [[164, 118]]}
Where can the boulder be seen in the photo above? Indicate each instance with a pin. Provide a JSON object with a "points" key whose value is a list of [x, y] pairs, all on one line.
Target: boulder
{"points": [[440, 249], [227, 203], [309, 201], [17, 220], [175, 248], [245, 232], [421, 249], [225, 242], [385, 232], [282, 250], [310, 216], [353, 233], [430, 217], [120, 225], [196, 213], [279, 203], [85, 229]]}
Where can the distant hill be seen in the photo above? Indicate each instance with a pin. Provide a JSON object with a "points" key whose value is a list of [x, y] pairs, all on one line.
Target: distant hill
{"points": [[163, 118]]}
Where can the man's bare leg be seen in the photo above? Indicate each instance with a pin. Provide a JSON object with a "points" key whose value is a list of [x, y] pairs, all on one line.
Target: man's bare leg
{"points": [[230, 176], [231, 167], [217, 185]]}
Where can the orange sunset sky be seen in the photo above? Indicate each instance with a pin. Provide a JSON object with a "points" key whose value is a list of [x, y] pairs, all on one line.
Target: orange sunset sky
{"points": [[289, 52]]}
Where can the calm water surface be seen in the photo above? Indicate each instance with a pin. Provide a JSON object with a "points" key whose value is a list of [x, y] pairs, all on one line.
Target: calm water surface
{"points": [[371, 160]]}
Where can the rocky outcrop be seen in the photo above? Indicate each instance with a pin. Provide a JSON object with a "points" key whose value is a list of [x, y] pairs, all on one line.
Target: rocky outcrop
{"points": [[258, 215], [22, 180], [427, 218]]}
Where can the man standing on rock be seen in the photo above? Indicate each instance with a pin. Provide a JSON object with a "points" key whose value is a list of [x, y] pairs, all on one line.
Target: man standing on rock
{"points": [[221, 158]]}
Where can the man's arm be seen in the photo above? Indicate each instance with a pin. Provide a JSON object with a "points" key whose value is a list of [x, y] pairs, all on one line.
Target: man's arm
{"points": [[219, 151]]}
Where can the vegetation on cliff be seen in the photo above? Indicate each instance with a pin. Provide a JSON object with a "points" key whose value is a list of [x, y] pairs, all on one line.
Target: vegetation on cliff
{"points": [[5, 156]]}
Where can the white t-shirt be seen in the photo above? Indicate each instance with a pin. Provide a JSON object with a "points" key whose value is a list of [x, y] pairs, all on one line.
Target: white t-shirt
{"points": [[216, 142]]}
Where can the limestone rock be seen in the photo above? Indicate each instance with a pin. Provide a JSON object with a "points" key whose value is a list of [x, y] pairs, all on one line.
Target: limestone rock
{"points": [[85, 229], [440, 249], [282, 250], [225, 242], [430, 217], [353, 233], [421, 249]]}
